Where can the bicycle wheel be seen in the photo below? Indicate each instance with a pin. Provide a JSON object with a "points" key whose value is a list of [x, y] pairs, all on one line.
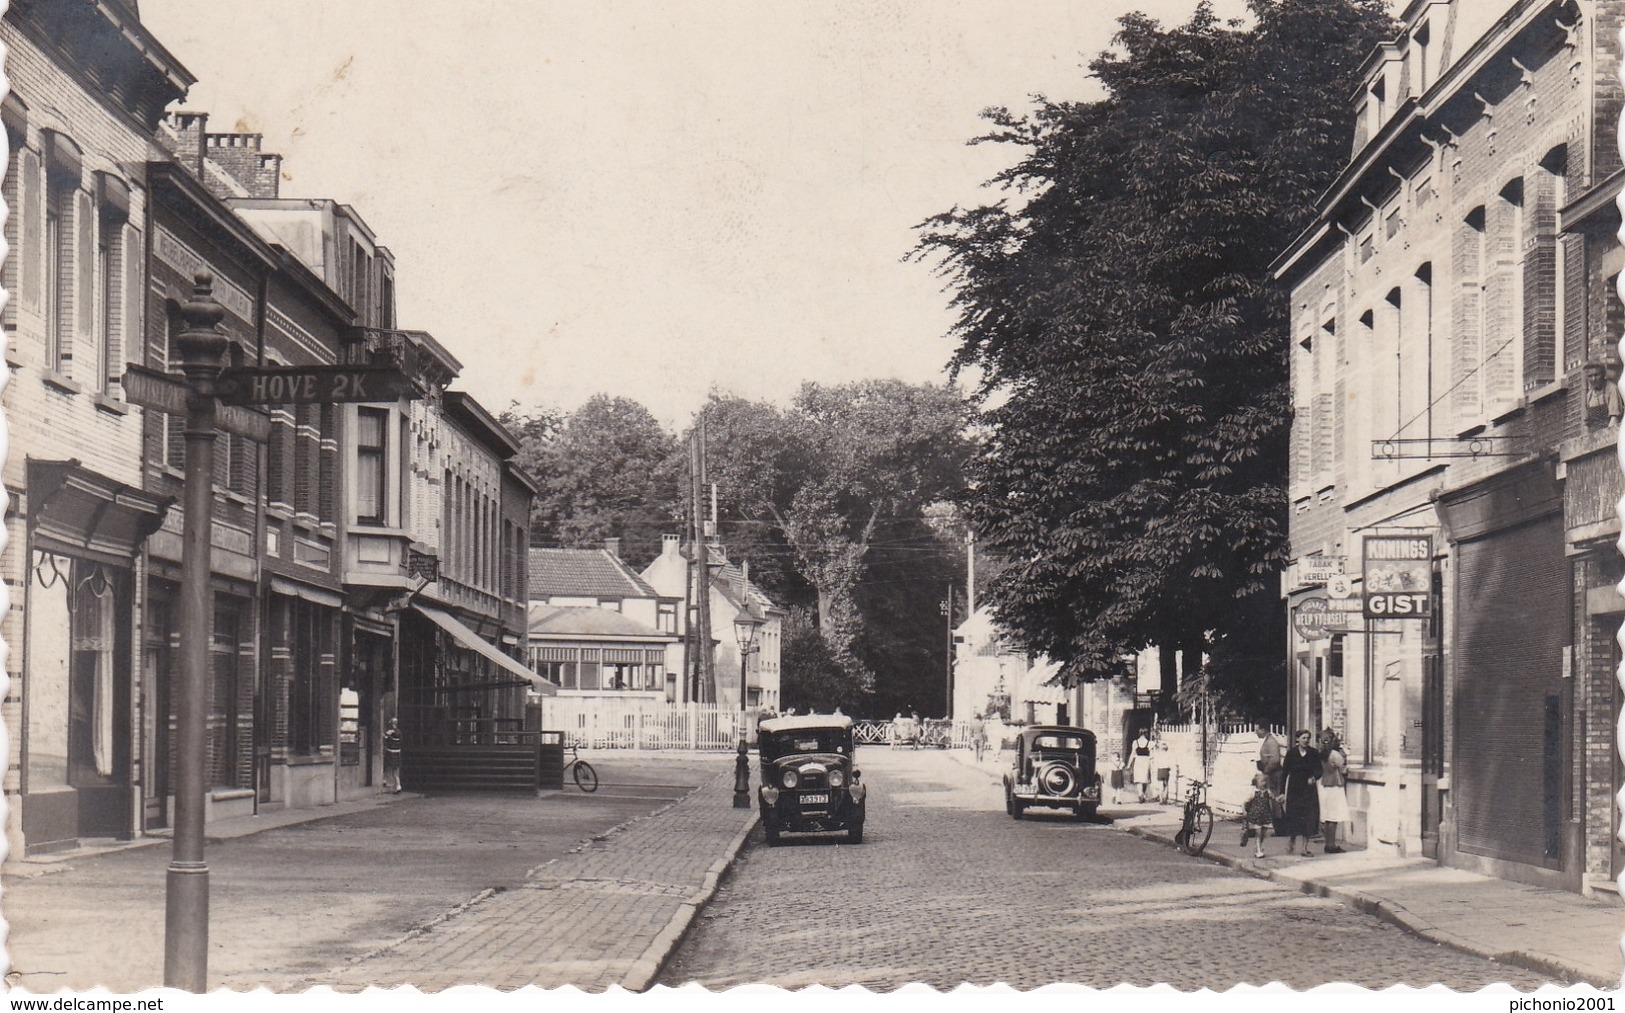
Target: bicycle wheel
{"points": [[1199, 830], [586, 777]]}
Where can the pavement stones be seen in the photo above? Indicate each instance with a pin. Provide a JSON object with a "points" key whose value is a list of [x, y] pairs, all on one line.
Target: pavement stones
{"points": [[1551, 932], [608, 913]]}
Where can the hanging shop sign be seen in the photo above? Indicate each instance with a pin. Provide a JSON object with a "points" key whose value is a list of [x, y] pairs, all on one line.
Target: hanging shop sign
{"points": [[1397, 579]]}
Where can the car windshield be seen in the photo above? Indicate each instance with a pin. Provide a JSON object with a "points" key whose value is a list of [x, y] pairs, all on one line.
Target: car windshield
{"points": [[806, 740]]}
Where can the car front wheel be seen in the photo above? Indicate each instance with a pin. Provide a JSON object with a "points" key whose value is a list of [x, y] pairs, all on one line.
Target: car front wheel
{"points": [[854, 834], [771, 832]]}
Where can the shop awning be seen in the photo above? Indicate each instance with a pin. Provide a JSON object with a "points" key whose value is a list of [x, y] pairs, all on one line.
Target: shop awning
{"points": [[76, 511], [479, 645]]}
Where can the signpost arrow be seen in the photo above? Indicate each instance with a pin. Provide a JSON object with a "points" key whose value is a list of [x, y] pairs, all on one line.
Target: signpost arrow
{"points": [[169, 393], [312, 385]]}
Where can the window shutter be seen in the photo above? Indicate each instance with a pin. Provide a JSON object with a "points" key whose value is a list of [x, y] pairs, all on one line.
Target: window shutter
{"points": [[33, 223]]}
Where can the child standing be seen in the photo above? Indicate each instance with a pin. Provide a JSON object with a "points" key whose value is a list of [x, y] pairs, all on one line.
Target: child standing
{"points": [[392, 757], [1259, 813]]}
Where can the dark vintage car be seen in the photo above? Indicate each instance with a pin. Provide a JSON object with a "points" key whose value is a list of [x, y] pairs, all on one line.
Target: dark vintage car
{"points": [[809, 784], [1055, 766]]}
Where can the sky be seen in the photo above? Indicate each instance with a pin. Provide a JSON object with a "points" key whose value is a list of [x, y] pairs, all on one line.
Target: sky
{"points": [[641, 198]]}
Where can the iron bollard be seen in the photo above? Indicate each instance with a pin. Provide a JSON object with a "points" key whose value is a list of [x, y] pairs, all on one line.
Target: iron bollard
{"points": [[742, 777]]}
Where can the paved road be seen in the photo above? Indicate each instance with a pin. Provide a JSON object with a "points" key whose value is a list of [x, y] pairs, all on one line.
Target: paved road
{"points": [[294, 902], [948, 889]]}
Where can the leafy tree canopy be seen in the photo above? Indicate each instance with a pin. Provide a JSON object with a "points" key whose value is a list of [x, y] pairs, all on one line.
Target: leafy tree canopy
{"points": [[605, 470], [828, 497], [1117, 299]]}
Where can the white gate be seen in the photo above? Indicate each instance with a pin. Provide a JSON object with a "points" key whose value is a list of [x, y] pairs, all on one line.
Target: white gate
{"points": [[642, 723]]}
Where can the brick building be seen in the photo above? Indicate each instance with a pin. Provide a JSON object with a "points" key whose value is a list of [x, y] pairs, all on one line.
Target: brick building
{"points": [[1451, 322], [89, 85]]}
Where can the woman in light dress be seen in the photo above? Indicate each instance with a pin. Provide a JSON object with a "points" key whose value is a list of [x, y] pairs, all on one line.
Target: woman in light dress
{"points": [[1140, 766], [1334, 804]]}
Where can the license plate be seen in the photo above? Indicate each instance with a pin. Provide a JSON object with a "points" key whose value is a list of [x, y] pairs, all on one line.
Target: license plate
{"points": [[820, 798]]}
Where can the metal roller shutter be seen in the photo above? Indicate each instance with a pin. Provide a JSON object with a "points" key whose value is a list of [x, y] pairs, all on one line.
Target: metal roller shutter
{"points": [[1511, 629]]}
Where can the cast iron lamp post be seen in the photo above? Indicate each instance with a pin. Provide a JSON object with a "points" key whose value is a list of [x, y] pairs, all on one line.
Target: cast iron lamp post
{"points": [[745, 626]]}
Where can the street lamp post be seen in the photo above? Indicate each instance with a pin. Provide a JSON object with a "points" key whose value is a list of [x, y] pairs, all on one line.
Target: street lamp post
{"points": [[186, 908], [745, 626]]}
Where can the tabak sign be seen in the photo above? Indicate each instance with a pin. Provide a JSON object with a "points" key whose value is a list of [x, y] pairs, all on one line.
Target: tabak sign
{"points": [[1398, 576]]}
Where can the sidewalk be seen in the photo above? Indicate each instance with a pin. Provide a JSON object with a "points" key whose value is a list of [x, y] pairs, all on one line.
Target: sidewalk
{"points": [[1551, 932], [31, 866], [608, 913]]}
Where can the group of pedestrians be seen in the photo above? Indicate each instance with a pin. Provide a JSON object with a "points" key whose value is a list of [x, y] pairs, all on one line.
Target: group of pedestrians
{"points": [[1297, 791]]}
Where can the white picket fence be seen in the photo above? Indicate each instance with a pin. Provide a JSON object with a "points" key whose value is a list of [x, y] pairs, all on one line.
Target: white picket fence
{"points": [[1233, 750], [642, 723]]}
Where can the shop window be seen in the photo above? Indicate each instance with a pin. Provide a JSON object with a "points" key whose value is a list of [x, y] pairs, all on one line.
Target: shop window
{"points": [[92, 634]]}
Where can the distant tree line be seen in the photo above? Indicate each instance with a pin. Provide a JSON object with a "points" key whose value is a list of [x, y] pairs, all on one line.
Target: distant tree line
{"points": [[841, 502]]}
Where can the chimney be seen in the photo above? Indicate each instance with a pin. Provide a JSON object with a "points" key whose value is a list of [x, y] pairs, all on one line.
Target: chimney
{"points": [[186, 144], [671, 545], [613, 547], [259, 173]]}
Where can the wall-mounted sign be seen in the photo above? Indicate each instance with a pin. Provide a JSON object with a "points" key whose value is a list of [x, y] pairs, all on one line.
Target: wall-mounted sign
{"points": [[1312, 619], [1319, 569], [1398, 576]]}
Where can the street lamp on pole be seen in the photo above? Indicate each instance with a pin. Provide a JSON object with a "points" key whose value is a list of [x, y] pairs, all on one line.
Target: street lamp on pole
{"points": [[745, 627]]}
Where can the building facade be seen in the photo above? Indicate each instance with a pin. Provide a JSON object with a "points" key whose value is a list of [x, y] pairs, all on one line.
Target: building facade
{"points": [[597, 627], [731, 593], [1452, 478], [89, 85]]}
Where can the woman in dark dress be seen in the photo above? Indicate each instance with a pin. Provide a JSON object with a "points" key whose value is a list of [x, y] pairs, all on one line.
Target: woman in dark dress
{"points": [[1301, 769]]}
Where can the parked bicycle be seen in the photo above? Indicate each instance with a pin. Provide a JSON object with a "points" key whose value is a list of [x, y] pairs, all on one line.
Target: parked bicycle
{"points": [[1196, 827], [581, 771]]}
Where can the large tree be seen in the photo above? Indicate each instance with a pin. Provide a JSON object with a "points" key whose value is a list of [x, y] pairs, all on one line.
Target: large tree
{"points": [[1118, 306], [822, 491], [605, 470]]}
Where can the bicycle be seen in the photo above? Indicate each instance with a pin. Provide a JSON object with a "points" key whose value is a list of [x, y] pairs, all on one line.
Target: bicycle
{"points": [[1196, 825], [581, 771]]}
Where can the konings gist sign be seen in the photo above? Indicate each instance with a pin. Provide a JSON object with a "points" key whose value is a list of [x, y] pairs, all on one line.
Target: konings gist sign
{"points": [[1398, 576]]}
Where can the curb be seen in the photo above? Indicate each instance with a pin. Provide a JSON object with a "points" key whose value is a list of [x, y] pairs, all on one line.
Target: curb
{"points": [[1395, 915], [641, 976]]}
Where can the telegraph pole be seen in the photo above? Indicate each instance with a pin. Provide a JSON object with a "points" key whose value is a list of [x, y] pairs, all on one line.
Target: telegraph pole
{"points": [[702, 566], [947, 607], [186, 909]]}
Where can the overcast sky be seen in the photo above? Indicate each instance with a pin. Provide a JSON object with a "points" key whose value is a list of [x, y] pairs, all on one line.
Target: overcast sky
{"points": [[647, 199]]}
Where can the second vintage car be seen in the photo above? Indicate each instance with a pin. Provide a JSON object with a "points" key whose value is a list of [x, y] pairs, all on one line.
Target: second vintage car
{"points": [[809, 783], [1054, 766]]}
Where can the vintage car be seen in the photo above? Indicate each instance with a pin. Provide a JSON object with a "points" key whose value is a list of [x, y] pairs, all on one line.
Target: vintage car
{"points": [[809, 784], [1054, 766]]}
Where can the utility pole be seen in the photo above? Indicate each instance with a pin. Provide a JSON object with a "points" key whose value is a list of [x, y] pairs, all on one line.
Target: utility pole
{"points": [[947, 607], [702, 566], [970, 574]]}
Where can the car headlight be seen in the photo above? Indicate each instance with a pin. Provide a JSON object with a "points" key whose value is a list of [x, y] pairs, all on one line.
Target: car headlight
{"points": [[770, 794], [790, 779], [837, 779]]}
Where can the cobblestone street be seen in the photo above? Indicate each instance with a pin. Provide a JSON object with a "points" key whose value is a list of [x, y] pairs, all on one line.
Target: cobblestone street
{"points": [[946, 889], [346, 900]]}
